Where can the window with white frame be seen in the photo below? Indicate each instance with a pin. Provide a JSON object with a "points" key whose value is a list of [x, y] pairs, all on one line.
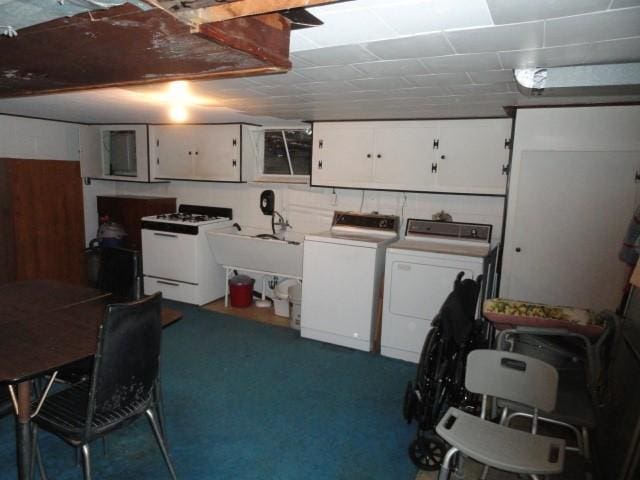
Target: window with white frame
{"points": [[287, 152]]}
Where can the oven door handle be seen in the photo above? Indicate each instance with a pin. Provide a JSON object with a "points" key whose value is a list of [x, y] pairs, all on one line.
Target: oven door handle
{"points": [[171, 235]]}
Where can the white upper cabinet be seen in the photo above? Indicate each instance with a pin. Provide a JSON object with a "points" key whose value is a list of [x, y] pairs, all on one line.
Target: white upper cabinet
{"points": [[458, 156], [472, 156], [196, 152], [341, 154], [115, 152]]}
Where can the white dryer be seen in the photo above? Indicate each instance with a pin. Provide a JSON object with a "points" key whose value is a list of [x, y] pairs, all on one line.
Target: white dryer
{"points": [[419, 274], [343, 272]]}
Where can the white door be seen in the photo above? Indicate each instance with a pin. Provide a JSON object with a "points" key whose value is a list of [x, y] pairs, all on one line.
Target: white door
{"points": [[570, 217], [404, 155], [217, 153], [342, 154], [471, 155], [338, 290], [175, 151], [90, 151]]}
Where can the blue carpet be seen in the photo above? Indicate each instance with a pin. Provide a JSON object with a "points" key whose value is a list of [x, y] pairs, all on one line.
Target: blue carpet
{"points": [[248, 401]]}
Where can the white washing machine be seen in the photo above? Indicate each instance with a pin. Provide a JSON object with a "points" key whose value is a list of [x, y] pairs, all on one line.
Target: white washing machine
{"points": [[343, 272], [419, 274]]}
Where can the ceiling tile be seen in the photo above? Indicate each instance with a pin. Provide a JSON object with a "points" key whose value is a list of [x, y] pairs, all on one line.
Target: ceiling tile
{"points": [[476, 89], [546, 57], [515, 11], [463, 63], [277, 91], [288, 78], [336, 56], [299, 42], [326, 87], [383, 83], [333, 72], [390, 68], [341, 28], [429, 45], [518, 36], [418, 92], [492, 76], [593, 27], [410, 18], [625, 3], [442, 79], [611, 51]]}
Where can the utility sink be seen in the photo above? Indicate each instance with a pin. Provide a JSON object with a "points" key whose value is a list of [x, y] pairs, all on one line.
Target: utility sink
{"points": [[256, 249]]}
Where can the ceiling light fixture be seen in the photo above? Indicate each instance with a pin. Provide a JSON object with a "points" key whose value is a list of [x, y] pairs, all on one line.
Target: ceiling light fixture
{"points": [[608, 79], [178, 113]]}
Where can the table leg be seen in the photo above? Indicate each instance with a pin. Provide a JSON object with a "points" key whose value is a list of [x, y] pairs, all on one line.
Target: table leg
{"points": [[23, 431]]}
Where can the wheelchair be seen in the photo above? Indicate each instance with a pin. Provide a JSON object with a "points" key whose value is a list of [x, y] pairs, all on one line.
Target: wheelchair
{"points": [[439, 382]]}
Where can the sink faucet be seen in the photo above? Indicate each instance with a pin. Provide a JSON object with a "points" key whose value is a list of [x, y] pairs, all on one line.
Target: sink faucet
{"points": [[281, 223]]}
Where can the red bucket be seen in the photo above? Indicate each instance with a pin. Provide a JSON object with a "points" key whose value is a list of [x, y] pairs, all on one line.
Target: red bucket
{"points": [[241, 291]]}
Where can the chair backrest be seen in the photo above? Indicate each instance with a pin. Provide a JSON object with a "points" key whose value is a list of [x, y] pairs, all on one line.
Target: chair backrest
{"points": [[120, 273], [513, 377], [127, 357]]}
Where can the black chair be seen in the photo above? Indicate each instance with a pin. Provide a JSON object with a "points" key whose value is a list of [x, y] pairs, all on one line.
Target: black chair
{"points": [[120, 274], [122, 384]]}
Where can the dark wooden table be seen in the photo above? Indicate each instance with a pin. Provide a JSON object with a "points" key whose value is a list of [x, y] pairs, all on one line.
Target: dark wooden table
{"points": [[43, 326]]}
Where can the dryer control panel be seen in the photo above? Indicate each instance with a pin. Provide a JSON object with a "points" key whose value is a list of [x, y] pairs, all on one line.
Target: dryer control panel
{"points": [[452, 230]]}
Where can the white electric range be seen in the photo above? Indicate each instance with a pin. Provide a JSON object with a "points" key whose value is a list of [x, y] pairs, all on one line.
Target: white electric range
{"points": [[420, 271], [176, 257]]}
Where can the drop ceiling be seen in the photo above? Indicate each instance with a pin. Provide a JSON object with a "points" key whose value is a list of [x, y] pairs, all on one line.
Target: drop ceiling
{"points": [[391, 59]]}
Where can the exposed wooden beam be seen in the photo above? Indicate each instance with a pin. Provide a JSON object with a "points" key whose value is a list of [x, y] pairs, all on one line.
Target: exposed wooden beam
{"points": [[242, 8]]}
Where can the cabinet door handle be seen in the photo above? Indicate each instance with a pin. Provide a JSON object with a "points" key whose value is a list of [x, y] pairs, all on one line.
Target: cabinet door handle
{"points": [[320, 165], [189, 152], [443, 157], [235, 142], [170, 235], [320, 144], [434, 167], [378, 156], [163, 282], [436, 143], [368, 155], [234, 163]]}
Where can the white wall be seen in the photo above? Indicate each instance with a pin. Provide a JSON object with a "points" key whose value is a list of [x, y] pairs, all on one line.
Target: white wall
{"points": [[311, 209]]}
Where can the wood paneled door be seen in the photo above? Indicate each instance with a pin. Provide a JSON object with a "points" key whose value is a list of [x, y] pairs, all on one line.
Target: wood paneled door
{"points": [[41, 220]]}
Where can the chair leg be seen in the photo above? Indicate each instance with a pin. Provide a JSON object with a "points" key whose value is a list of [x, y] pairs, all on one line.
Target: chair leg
{"points": [[158, 400], [445, 468], [163, 448], [86, 461], [485, 472], [35, 454]]}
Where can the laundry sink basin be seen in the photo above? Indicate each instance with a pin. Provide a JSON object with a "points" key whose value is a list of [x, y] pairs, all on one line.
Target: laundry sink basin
{"points": [[255, 249]]}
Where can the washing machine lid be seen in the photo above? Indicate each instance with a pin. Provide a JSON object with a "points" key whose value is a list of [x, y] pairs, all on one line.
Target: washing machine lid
{"points": [[357, 239]]}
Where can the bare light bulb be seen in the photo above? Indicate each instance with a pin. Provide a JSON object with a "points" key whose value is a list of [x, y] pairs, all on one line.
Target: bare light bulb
{"points": [[178, 113]]}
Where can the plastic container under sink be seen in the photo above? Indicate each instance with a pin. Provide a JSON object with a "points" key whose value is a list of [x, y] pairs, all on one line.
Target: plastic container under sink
{"points": [[281, 297]]}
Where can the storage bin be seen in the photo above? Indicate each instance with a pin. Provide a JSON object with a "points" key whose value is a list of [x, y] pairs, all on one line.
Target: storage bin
{"points": [[295, 297], [241, 291]]}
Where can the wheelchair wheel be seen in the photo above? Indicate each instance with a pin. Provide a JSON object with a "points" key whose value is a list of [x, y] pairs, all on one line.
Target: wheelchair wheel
{"points": [[410, 403], [427, 451]]}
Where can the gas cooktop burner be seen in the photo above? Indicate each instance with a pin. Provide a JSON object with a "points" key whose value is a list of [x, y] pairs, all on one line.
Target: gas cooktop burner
{"points": [[186, 217]]}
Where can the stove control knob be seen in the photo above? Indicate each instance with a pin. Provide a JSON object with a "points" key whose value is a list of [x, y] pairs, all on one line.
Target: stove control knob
{"points": [[383, 224], [474, 233]]}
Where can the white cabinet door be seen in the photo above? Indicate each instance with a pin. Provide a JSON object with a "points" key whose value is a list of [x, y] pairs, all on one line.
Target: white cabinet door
{"points": [[471, 156], [174, 151], [342, 154], [404, 155], [217, 152], [571, 211]]}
